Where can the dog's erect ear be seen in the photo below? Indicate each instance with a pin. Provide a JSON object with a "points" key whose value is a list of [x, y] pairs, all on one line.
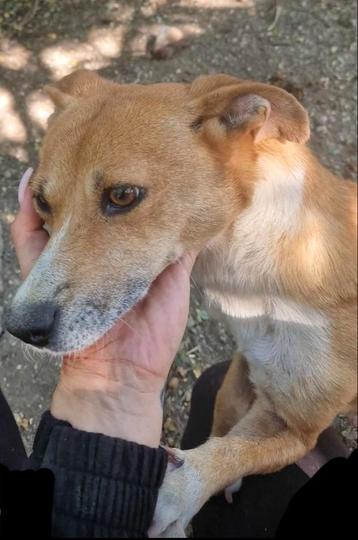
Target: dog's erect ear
{"points": [[60, 99], [255, 109], [79, 84], [207, 83]]}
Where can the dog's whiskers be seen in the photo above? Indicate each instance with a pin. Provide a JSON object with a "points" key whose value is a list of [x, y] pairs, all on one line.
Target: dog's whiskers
{"points": [[130, 326], [192, 280], [127, 323], [196, 286]]}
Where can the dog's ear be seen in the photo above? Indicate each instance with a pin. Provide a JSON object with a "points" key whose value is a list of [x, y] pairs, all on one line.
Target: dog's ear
{"points": [[257, 110], [207, 83], [79, 84]]}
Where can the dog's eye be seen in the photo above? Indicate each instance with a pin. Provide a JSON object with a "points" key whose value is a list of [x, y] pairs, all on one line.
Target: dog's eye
{"points": [[42, 204], [122, 199]]}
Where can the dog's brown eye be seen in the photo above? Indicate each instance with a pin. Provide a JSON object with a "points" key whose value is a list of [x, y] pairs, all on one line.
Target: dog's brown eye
{"points": [[122, 199], [124, 196], [42, 204]]}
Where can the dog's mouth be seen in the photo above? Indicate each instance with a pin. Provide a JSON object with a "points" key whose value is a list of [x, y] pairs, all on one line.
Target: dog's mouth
{"points": [[71, 321], [59, 330]]}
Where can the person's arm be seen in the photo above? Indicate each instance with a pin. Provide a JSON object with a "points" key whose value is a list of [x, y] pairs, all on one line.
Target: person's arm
{"points": [[101, 438], [104, 486], [99, 486]]}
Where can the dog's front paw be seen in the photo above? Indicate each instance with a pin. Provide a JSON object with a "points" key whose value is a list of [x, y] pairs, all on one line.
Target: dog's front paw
{"points": [[180, 497]]}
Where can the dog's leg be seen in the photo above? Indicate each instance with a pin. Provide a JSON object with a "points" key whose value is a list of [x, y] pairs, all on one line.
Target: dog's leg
{"points": [[260, 443], [233, 401], [234, 397]]}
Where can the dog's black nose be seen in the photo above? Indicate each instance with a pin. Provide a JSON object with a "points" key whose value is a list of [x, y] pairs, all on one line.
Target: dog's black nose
{"points": [[35, 325]]}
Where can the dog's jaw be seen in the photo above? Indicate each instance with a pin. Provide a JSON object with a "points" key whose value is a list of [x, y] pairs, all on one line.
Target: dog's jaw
{"points": [[84, 322], [92, 328]]}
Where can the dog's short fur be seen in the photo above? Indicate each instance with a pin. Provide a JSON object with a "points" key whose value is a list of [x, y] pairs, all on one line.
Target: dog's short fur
{"points": [[227, 172]]}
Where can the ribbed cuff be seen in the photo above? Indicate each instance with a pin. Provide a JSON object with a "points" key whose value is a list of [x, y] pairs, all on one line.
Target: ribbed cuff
{"points": [[103, 485]]}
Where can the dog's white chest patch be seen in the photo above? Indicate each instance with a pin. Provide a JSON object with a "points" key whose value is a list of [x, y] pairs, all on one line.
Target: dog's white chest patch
{"points": [[283, 337], [280, 338]]}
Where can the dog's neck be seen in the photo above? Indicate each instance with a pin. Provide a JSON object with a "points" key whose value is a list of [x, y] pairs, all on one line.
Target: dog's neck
{"points": [[284, 227]]}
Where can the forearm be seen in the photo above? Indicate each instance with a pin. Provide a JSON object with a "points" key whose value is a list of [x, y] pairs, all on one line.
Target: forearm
{"points": [[104, 487]]}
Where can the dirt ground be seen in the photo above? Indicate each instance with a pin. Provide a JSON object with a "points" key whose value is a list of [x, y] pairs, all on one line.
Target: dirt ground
{"points": [[308, 47]]}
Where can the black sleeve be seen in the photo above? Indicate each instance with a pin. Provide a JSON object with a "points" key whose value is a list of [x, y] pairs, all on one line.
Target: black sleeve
{"points": [[103, 487]]}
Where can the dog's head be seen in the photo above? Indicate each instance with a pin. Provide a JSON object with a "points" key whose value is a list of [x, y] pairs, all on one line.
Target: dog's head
{"points": [[130, 176]]}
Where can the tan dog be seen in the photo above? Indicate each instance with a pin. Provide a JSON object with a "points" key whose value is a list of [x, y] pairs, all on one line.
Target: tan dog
{"points": [[129, 178]]}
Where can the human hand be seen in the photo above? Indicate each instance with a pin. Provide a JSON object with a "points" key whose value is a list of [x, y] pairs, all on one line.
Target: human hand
{"points": [[114, 387], [27, 231]]}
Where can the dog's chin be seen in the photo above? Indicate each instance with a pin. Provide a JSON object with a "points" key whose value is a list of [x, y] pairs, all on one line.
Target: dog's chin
{"points": [[71, 337], [66, 342]]}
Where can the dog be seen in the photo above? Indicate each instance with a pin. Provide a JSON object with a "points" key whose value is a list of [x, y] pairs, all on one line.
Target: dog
{"points": [[131, 176]]}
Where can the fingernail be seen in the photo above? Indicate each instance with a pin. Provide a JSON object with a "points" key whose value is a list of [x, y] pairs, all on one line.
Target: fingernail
{"points": [[23, 183]]}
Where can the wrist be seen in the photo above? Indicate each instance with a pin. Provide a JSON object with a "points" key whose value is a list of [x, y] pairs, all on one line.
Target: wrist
{"points": [[126, 406], [129, 416]]}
